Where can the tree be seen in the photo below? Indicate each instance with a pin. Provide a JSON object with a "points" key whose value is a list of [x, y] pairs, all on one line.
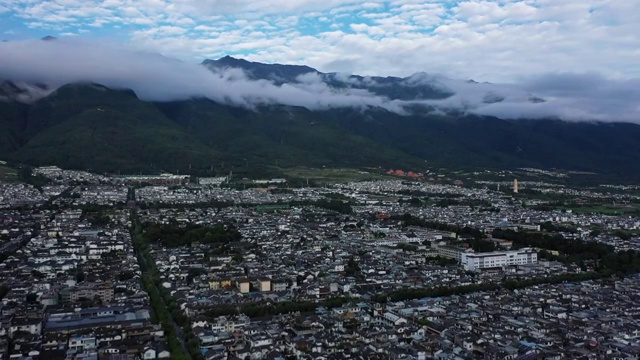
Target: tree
{"points": [[194, 273], [237, 257], [352, 268], [4, 290], [415, 202], [100, 220], [622, 235], [175, 235], [125, 275]]}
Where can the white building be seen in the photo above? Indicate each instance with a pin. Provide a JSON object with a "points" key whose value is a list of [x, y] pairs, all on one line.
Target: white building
{"points": [[390, 319], [498, 259], [212, 180]]}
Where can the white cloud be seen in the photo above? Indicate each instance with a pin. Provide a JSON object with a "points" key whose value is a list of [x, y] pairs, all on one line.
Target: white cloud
{"points": [[568, 96], [493, 40], [154, 77]]}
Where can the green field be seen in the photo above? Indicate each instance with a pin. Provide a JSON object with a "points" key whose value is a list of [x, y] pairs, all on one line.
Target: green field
{"points": [[333, 175], [604, 209], [7, 173]]}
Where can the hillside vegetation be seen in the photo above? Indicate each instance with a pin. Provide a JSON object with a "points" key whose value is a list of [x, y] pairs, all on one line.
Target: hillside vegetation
{"points": [[88, 126]]}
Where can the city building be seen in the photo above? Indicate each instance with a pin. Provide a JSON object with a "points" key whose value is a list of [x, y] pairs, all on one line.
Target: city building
{"points": [[498, 259], [104, 292], [452, 252]]}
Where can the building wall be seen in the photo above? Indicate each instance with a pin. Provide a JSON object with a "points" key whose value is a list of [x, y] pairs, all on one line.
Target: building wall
{"points": [[244, 287], [451, 252], [104, 293], [214, 284], [265, 285], [496, 259]]}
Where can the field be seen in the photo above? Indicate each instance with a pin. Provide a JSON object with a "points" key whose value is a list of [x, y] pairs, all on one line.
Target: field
{"points": [[604, 209], [7, 173], [332, 175]]}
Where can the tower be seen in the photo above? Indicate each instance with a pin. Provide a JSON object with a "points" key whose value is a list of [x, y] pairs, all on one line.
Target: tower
{"points": [[515, 186]]}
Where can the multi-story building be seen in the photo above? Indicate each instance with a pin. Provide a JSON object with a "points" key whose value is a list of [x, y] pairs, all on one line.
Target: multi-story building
{"points": [[498, 259], [243, 285], [279, 285], [452, 252], [88, 292], [264, 284]]}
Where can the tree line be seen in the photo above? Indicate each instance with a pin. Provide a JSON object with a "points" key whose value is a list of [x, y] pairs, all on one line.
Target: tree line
{"points": [[266, 309], [604, 256], [175, 235], [406, 293], [165, 309]]}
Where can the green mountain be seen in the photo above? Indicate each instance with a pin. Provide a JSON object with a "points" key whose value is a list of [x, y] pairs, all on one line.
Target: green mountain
{"points": [[92, 127], [488, 142], [89, 126], [279, 136], [10, 125]]}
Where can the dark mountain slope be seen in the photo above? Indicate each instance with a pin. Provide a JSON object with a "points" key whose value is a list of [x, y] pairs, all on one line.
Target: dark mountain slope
{"points": [[419, 86], [74, 99], [277, 72], [92, 127], [12, 115], [496, 143], [279, 135]]}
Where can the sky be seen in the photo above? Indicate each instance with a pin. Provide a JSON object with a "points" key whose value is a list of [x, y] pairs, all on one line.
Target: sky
{"points": [[498, 41], [581, 56]]}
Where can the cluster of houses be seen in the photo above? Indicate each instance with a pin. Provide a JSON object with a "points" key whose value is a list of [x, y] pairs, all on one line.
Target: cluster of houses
{"points": [[73, 291], [588, 320], [193, 194], [300, 254], [18, 194], [65, 177], [71, 284]]}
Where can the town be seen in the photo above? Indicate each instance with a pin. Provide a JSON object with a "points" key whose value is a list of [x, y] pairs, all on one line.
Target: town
{"points": [[174, 267]]}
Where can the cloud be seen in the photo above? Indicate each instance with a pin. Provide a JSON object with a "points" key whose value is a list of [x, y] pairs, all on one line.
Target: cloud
{"points": [[154, 77], [157, 78], [493, 40]]}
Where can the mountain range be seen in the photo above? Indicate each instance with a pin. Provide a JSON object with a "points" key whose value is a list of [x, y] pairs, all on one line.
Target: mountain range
{"points": [[91, 126]]}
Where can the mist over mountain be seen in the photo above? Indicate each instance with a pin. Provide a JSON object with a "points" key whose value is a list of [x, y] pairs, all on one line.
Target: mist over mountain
{"points": [[236, 82], [102, 107]]}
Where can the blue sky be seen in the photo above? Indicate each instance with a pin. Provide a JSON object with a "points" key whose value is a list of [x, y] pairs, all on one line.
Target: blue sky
{"points": [[502, 40]]}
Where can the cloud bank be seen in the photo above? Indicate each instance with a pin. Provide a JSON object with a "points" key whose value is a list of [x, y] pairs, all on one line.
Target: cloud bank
{"points": [[487, 40], [157, 78]]}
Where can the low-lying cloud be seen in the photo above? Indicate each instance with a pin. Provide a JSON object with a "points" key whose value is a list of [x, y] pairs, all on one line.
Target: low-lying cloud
{"points": [[154, 77]]}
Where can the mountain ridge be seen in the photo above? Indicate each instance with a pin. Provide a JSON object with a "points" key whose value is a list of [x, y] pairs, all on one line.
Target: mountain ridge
{"points": [[84, 125], [390, 86]]}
